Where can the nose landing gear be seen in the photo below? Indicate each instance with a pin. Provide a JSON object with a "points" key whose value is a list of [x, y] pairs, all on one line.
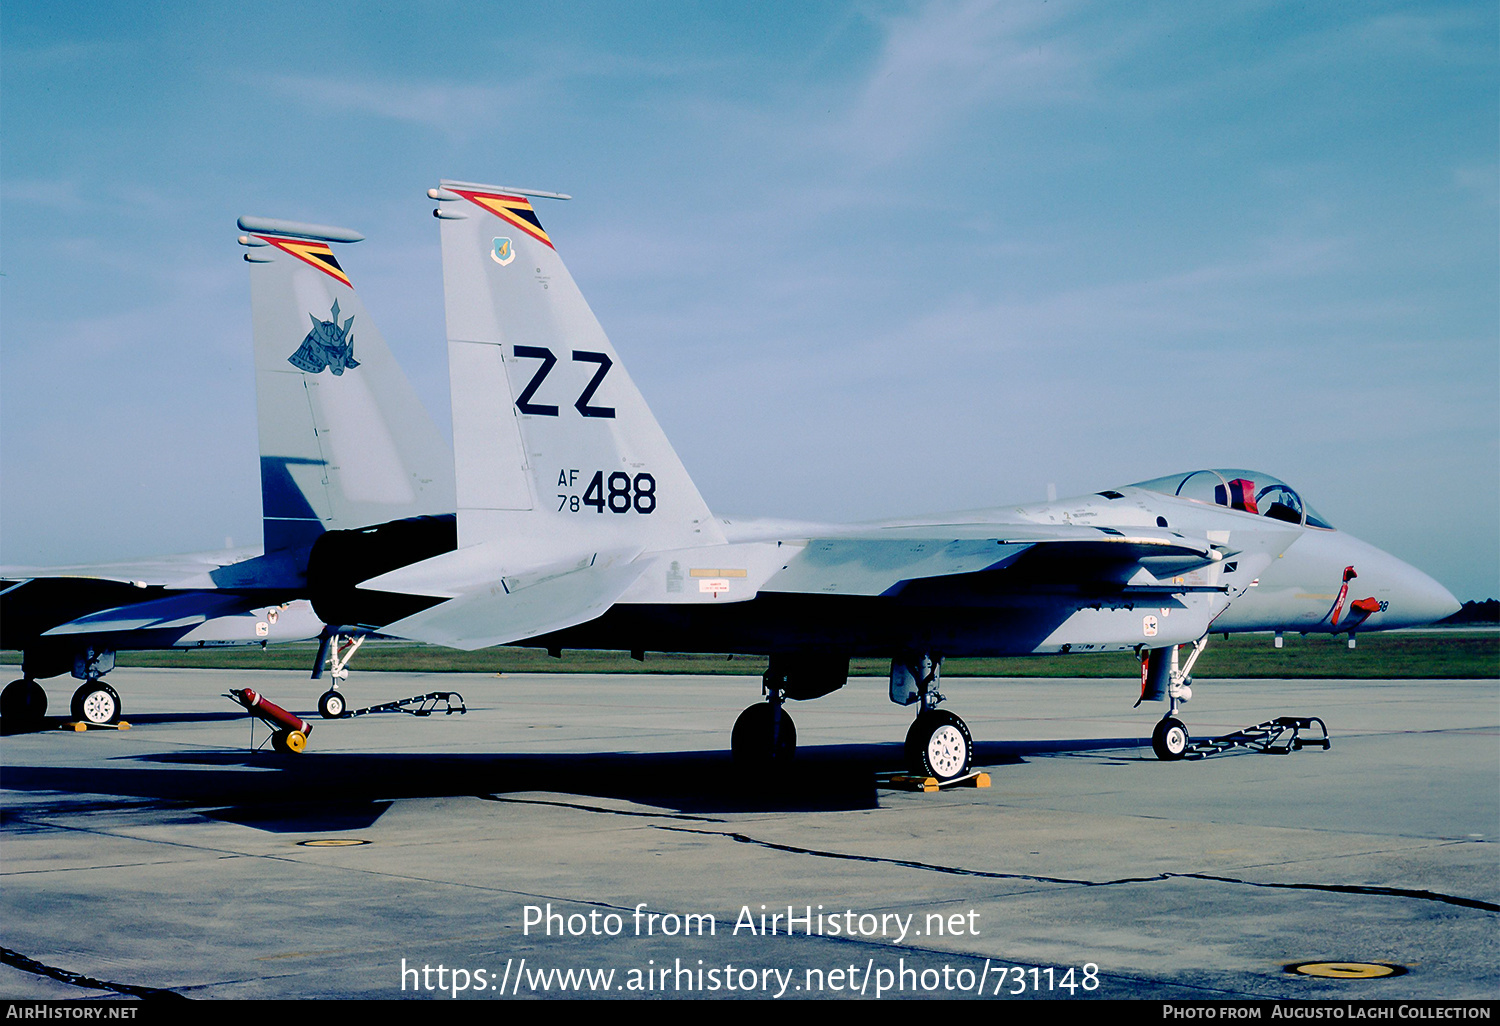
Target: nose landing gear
{"points": [[335, 649], [331, 704], [1170, 739], [1162, 676]]}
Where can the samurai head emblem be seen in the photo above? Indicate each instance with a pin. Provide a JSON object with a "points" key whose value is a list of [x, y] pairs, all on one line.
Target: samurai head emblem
{"points": [[327, 345]]}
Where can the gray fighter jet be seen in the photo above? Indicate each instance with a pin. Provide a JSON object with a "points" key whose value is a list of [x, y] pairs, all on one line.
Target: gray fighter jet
{"points": [[351, 464], [579, 527]]}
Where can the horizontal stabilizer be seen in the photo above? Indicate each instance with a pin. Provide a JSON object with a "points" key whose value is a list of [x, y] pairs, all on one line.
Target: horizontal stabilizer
{"points": [[526, 606], [296, 229]]}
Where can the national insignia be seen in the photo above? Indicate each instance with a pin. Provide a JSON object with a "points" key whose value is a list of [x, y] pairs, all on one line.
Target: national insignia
{"points": [[327, 345]]}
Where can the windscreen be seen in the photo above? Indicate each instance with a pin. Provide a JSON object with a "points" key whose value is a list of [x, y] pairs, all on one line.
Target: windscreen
{"points": [[1249, 491]]}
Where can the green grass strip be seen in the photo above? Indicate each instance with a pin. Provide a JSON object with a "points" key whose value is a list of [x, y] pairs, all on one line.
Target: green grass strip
{"points": [[1436, 654]]}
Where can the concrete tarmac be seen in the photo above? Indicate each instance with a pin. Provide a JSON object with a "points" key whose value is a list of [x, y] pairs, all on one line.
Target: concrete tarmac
{"points": [[588, 836]]}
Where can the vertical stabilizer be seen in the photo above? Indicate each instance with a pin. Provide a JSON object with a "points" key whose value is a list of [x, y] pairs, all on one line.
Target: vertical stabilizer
{"points": [[556, 452], [344, 440]]}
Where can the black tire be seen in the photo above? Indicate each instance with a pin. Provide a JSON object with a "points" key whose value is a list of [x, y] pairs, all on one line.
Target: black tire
{"points": [[23, 705], [757, 740], [1170, 739], [331, 704], [97, 703], [939, 745]]}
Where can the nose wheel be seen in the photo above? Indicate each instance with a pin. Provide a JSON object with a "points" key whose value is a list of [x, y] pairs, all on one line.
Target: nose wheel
{"points": [[331, 704], [939, 745], [1170, 739]]}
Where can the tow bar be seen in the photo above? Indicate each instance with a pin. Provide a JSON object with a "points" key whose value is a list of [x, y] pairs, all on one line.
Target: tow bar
{"points": [[426, 705], [1280, 736]]}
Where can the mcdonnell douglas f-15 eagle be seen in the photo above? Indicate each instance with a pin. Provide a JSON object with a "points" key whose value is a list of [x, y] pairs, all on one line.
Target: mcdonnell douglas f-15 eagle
{"points": [[579, 527]]}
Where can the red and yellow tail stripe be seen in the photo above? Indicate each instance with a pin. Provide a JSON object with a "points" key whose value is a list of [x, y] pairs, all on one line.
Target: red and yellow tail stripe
{"points": [[514, 210], [318, 254]]}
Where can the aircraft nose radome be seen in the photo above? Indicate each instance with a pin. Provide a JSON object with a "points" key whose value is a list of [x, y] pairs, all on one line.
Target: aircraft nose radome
{"points": [[1424, 600]]}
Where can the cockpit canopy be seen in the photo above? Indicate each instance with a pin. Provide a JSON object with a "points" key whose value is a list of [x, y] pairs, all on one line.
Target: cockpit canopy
{"points": [[1247, 490]]}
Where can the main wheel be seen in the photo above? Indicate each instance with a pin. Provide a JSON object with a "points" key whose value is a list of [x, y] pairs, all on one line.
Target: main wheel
{"points": [[96, 702], [331, 704], [939, 745], [1170, 739], [758, 740], [23, 704]]}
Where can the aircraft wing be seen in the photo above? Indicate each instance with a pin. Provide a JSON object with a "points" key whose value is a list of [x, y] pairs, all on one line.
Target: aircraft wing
{"points": [[174, 611], [185, 571], [514, 607], [883, 560]]}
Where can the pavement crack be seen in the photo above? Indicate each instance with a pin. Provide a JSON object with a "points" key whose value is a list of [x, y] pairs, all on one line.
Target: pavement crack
{"points": [[30, 965], [599, 808], [1390, 892], [883, 860]]}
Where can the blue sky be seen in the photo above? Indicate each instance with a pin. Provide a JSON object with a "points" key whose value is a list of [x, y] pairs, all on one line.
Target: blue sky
{"points": [[864, 259]]}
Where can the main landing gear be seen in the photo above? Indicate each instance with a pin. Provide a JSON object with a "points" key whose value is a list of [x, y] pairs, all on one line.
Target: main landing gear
{"points": [[96, 702], [764, 734], [23, 705], [938, 744]]}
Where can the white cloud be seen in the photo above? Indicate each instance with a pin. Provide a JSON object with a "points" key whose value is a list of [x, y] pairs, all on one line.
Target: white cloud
{"points": [[947, 60], [448, 107]]}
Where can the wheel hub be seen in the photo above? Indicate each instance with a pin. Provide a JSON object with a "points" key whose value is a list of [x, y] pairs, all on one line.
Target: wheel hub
{"points": [[98, 707], [946, 750]]}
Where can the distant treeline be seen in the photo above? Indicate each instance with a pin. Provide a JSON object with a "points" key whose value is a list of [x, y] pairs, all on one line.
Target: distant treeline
{"points": [[1487, 611]]}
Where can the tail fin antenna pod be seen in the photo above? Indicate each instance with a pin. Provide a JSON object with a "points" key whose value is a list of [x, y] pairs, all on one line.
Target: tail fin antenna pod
{"points": [[344, 440], [555, 449]]}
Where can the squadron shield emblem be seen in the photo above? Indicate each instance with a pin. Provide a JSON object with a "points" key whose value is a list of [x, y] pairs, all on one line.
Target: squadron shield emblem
{"points": [[504, 251], [327, 345]]}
